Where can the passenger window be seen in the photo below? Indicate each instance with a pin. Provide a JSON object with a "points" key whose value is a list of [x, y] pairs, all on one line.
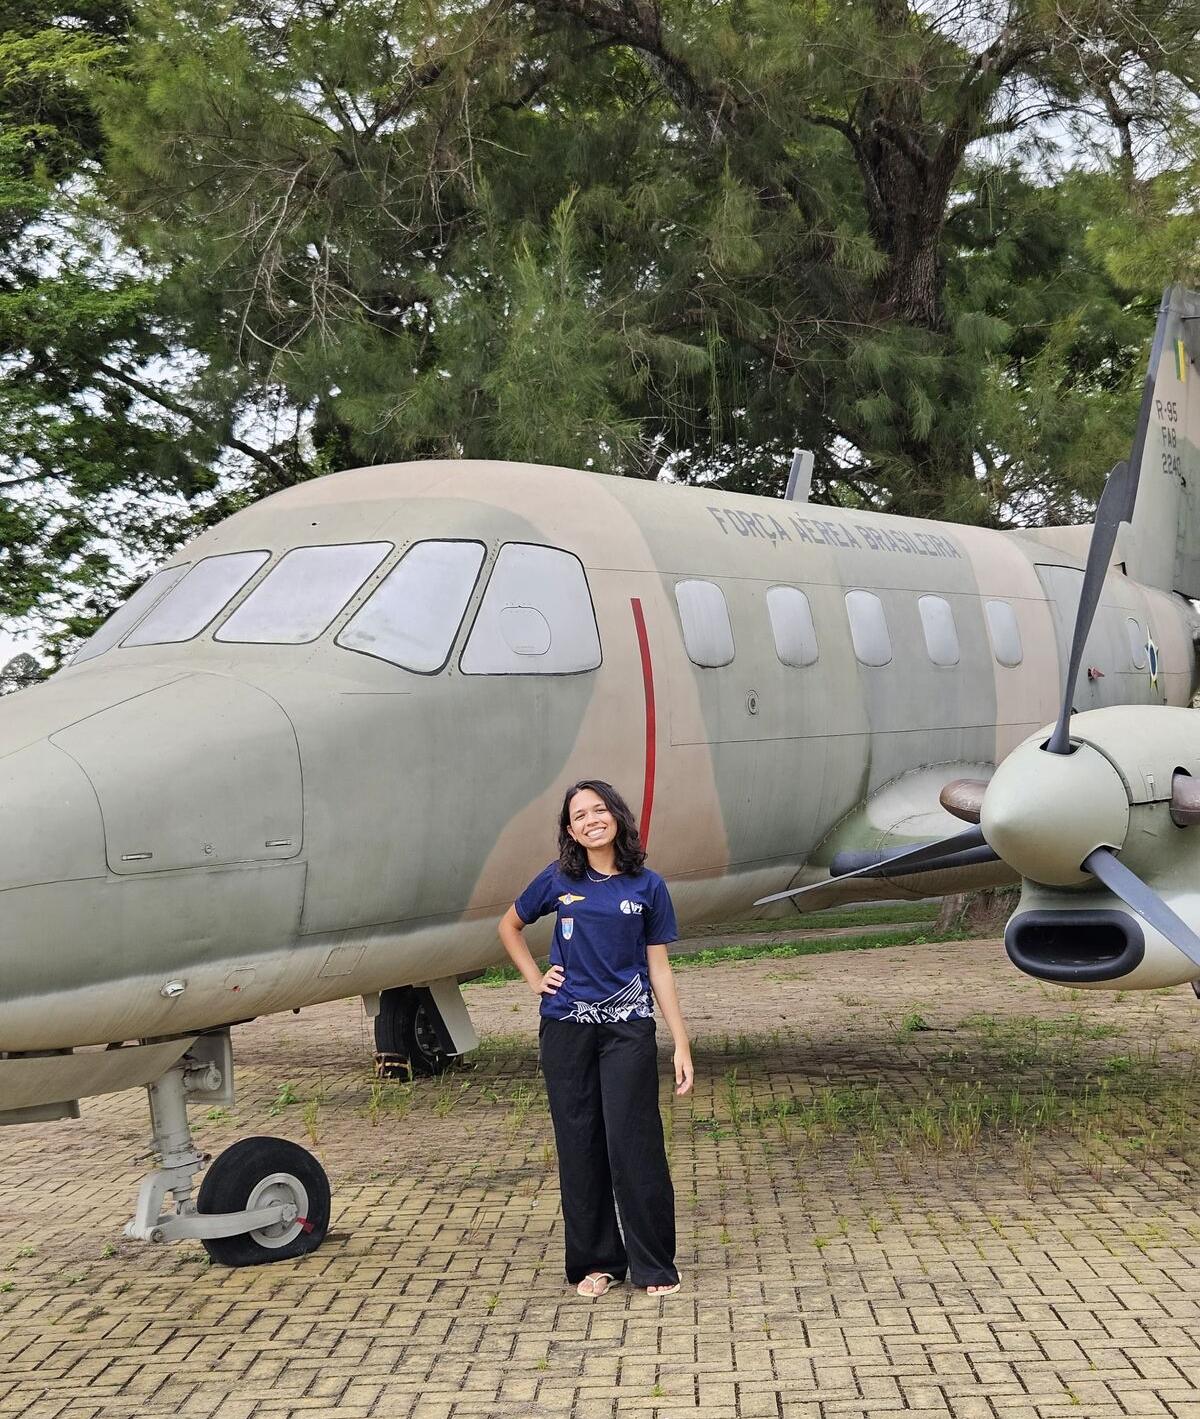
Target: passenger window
{"points": [[190, 606], [704, 617], [413, 615], [868, 628], [792, 625], [536, 617], [128, 615], [301, 595], [941, 634], [1137, 643], [1004, 631]]}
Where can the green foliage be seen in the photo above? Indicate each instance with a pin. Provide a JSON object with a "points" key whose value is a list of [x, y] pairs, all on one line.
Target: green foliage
{"points": [[773, 950], [1058, 398], [114, 428], [681, 236], [816, 946], [925, 243]]}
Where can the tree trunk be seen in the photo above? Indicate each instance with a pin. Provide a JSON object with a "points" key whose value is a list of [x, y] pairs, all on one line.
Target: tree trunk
{"points": [[979, 913], [912, 285]]}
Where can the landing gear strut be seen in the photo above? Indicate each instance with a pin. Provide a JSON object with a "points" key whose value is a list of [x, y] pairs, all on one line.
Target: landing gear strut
{"points": [[263, 1199]]}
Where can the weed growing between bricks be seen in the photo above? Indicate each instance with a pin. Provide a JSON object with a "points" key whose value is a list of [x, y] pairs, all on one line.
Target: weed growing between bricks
{"points": [[1003, 1083], [886, 1206], [926, 1097]]}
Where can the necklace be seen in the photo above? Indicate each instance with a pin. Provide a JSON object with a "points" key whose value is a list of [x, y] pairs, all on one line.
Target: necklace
{"points": [[604, 878]]}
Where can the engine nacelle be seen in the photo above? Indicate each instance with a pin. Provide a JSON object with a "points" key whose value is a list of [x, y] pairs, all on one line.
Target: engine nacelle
{"points": [[1092, 940]]}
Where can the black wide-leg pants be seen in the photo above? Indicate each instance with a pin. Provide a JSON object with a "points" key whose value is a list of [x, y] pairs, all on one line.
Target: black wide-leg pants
{"points": [[602, 1083]]}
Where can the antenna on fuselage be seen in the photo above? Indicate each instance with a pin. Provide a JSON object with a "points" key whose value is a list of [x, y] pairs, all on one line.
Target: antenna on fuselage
{"points": [[799, 484]]}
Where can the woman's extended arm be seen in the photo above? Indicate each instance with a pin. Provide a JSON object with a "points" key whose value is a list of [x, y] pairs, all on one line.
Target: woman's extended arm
{"points": [[512, 937], [662, 981]]}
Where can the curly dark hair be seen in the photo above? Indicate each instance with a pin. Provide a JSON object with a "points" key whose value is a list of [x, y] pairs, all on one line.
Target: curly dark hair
{"points": [[572, 858]]}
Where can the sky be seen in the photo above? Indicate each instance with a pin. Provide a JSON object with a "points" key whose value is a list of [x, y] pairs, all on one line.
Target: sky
{"points": [[14, 645]]}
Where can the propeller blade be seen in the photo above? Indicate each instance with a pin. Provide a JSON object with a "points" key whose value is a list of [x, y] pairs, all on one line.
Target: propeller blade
{"points": [[848, 862], [1121, 882], [1111, 509], [906, 857], [968, 857]]}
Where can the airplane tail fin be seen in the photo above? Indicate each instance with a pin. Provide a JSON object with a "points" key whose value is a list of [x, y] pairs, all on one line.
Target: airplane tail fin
{"points": [[1164, 549]]}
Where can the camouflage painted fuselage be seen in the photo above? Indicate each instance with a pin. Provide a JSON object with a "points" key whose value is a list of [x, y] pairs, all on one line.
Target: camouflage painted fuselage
{"points": [[273, 825]]}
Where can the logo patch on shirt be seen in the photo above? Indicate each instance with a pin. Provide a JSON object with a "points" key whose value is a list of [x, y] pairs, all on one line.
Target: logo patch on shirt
{"points": [[631, 908], [568, 897], [568, 924]]}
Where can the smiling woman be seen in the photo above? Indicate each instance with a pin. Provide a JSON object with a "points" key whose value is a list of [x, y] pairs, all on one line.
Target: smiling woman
{"points": [[608, 963]]}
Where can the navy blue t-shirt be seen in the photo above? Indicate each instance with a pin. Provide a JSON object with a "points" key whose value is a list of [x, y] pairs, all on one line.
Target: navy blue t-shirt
{"points": [[600, 940]]}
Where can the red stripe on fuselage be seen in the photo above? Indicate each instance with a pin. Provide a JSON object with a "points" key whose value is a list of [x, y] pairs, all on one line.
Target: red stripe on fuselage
{"points": [[648, 687]]}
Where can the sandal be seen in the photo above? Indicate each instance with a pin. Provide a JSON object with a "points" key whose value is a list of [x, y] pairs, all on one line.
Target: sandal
{"points": [[595, 1284], [664, 1290]]}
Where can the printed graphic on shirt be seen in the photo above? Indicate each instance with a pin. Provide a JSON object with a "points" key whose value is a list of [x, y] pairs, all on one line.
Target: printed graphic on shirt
{"points": [[568, 897], [631, 908], [568, 926], [631, 1000]]}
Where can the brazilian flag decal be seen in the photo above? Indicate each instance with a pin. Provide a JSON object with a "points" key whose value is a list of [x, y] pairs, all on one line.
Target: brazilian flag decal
{"points": [[1181, 362]]}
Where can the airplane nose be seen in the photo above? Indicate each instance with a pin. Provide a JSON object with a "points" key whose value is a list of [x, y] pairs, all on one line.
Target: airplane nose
{"points": [[51, 843], [131, 843], [200, 773], [50, 827]]}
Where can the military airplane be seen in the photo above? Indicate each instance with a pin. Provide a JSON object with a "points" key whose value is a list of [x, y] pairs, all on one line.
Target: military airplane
{"points": [[317, 753]]}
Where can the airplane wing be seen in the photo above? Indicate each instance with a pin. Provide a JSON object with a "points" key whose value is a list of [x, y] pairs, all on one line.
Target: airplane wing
{"points": [[902, 814], [824, 890]]}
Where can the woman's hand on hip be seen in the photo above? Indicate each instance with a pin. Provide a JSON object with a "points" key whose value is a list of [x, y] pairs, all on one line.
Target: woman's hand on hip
{"points": [[551, 981], [684, 1072]]}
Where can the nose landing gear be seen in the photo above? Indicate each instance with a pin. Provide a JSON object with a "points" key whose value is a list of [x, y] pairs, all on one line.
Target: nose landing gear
{"points": [[259, 1175], [263, 1199]]}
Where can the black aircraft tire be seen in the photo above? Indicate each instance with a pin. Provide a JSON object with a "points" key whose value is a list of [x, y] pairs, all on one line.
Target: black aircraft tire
{"points": [[254, 1172], [406, 1037]]}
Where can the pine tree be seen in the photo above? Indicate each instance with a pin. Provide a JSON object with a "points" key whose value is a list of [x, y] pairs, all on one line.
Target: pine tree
{"points": [[20, 672], [648, 237]]}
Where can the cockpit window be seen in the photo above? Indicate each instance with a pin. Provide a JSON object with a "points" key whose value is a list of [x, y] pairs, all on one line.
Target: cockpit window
{"points": [[119, 623], [536, 617], [413, 615], [192, 604], [299, 598]]}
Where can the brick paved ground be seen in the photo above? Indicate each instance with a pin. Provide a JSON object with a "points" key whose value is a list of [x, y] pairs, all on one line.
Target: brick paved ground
{"points": [[992, 1216]]}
